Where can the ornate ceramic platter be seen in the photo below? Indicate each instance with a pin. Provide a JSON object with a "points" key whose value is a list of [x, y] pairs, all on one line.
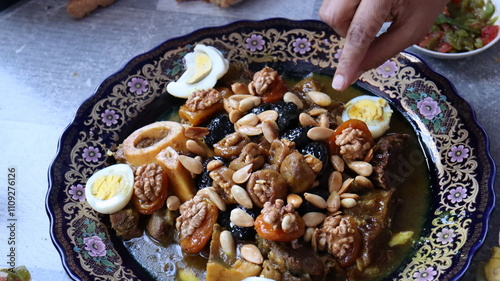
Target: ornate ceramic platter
{"points": [[455, 145]]}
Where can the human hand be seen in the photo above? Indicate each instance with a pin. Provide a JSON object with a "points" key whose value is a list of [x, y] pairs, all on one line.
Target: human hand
{"points": [[359, 21]]}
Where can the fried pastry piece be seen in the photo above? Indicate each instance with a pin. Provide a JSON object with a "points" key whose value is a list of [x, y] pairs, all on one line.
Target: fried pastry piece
{"points": [[81, 8]]}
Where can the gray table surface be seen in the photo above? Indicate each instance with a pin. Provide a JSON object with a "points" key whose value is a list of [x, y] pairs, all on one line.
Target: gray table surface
{"points": [[50, 63]]}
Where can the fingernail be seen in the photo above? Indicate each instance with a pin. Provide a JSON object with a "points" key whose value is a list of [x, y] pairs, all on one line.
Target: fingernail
{"points": [[338, 82]]}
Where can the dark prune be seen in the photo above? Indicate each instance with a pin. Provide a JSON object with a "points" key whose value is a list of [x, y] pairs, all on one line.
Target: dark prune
{"points": [[204, 180], [288, 115], [239, 233], [242, 234], [262, 107], [254, 212], [321, 191], [224, 217], [298, 136], [307, 207], [319, 150], [219, 127]]}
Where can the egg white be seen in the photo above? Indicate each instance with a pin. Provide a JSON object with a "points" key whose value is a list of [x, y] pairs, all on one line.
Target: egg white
{"points": [[182, 88], [120, 200], [376, 126]]}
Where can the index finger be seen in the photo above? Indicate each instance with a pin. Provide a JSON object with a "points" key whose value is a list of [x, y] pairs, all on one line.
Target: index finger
{"points": [[365, 25]]}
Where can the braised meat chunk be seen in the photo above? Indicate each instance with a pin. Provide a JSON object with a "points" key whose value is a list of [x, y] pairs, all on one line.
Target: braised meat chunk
{"points": [[126, 223], [388, 154], [288, 263], [373, 215]]}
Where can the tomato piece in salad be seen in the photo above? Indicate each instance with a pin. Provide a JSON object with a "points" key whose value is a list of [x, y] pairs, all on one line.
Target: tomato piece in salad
{"points": [[462, 26], [488, 33], [444, 47], [431, 40]]}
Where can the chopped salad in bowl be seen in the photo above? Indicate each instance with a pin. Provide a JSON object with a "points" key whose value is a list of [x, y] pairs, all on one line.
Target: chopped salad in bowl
{"points": [[465, 27]]}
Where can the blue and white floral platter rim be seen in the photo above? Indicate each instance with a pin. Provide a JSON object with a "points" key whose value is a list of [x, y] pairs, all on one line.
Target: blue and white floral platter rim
{"points": [[455, 143]]}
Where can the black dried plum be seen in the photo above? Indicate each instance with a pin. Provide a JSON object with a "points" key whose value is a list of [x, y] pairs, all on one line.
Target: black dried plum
{"points": [[219, 127], [307, 207], [321, 191], [288, 115], [298, 136], [262, 107], [242, 234], [204, 180], [319, 150], [239, 233], [254, 212], [224, 216]]}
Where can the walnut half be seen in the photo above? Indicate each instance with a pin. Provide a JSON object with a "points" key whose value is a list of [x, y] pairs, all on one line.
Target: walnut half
{"points": [[192, 214], [262, 81], [339, 236], [353, 145], [148, 182], [281, 216], [203, 99], [231, 145]]}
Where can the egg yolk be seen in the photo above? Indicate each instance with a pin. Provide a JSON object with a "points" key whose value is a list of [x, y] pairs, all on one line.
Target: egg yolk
{"points": [[203, 66], [367, 110], [106, 187]]}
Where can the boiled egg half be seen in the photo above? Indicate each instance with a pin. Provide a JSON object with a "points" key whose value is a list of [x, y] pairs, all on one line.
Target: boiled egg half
{"points": [[110, 189], [374, 111], [204, 66]]}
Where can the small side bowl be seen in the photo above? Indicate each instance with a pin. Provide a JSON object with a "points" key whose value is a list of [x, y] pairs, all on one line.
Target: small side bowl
{"points": [[465, 54]]}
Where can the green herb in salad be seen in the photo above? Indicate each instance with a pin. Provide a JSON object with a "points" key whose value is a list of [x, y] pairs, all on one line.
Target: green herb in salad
{"points": [[465, 25]]}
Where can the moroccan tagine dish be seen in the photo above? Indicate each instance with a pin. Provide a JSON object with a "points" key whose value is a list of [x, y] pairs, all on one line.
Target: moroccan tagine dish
{"points": [[226, 155]]}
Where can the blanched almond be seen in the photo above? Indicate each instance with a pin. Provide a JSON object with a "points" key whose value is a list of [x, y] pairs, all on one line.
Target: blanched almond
{"points": [[335, 181], [316, 200], [291, 97], [270, 130], [192, 165], [194, 147], [241, 218], [362, 168], [252, 254], [242, 175], [241, 196], [313, 219], [319, 98], [307, 120], [268, 115], [319, 133]]}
